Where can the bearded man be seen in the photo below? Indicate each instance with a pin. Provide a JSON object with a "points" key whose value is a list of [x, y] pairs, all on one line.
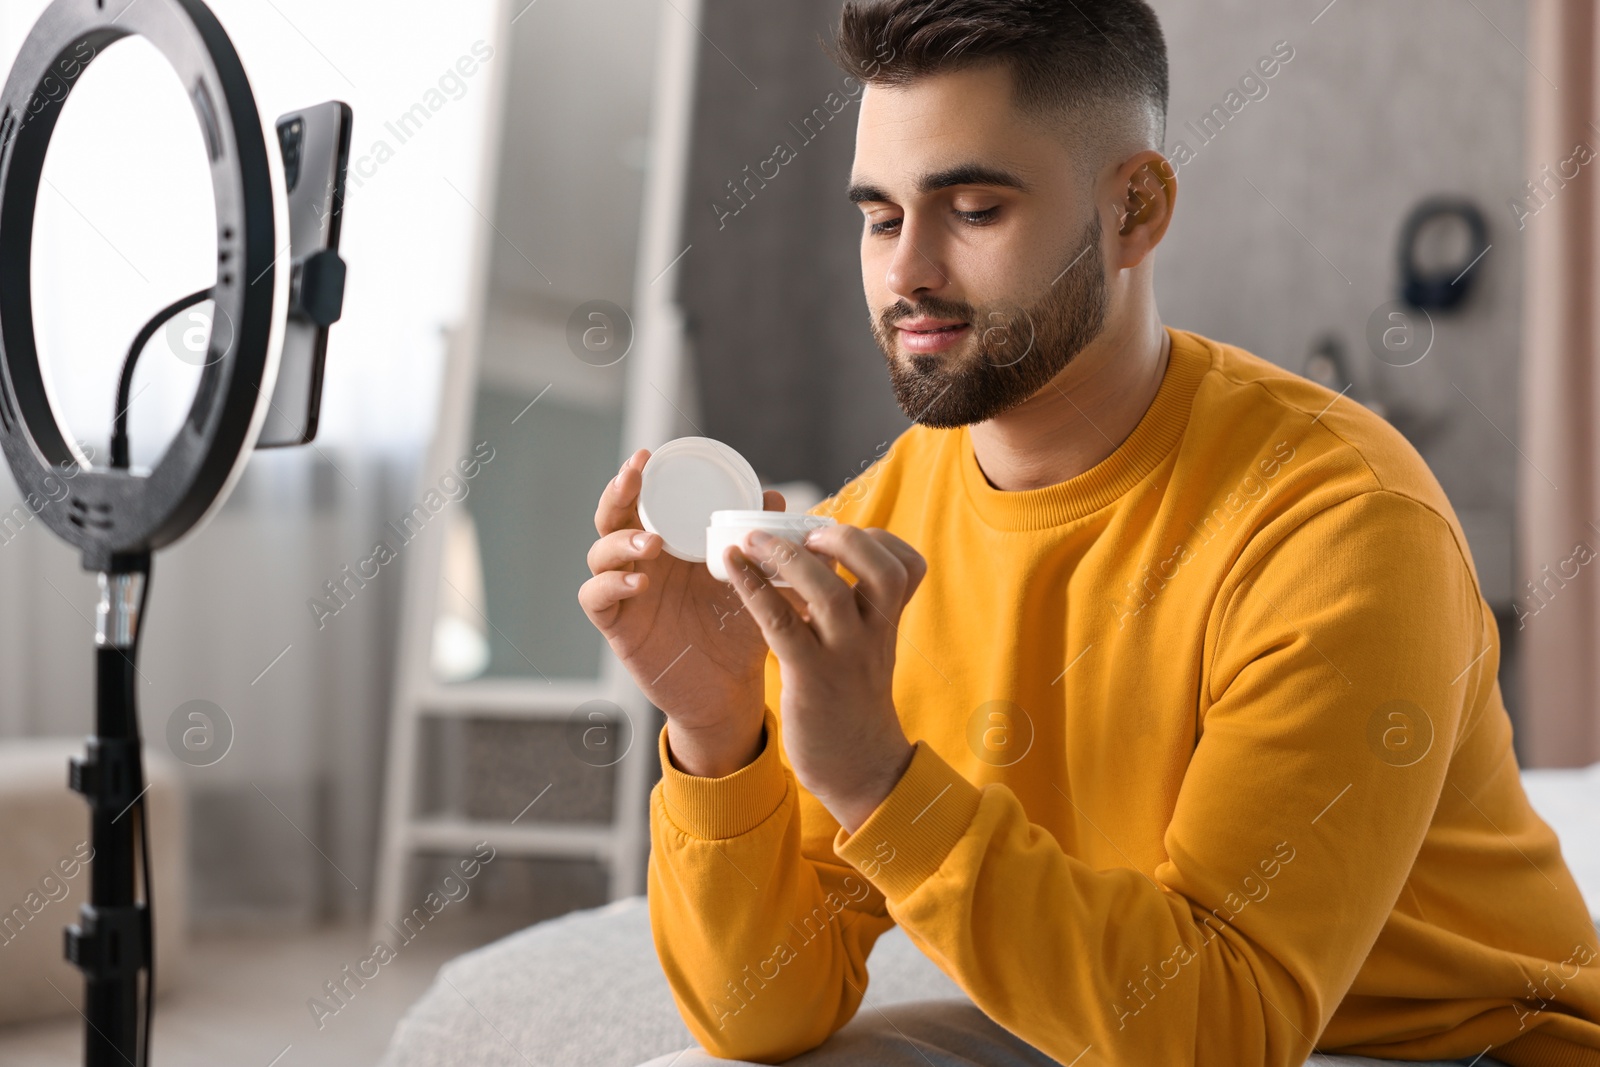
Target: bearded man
{"points": [[1148, 686]]}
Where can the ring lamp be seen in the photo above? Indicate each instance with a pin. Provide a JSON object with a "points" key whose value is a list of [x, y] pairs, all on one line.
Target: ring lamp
{"points": [[108, 514], [117, 519]]}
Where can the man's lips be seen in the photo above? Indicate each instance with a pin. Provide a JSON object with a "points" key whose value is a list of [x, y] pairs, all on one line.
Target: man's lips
{"points": [[931, 335]]}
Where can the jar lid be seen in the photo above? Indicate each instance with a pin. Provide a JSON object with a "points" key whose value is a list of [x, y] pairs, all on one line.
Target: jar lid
{"points": [[684, 481]]}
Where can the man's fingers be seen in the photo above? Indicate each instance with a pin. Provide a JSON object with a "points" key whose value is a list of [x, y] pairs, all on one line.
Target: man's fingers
{"points": [[829, 599], [619, 500], [882, 578], [916, 566], [601, 596], [620, 549], [786, 633], [772, 500]]}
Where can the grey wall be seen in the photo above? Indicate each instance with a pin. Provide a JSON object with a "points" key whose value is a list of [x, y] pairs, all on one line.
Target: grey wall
{"points": [[789, 374], [1382, 105]]}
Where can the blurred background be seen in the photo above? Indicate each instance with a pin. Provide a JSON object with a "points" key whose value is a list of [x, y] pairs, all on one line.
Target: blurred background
{"points": [[557, 254]]}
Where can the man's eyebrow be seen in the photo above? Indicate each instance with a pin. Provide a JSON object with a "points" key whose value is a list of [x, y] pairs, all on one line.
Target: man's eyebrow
{"points": [[962, 174], [866, 193]]}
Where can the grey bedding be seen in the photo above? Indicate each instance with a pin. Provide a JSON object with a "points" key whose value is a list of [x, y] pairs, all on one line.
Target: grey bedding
{"points": [[585, 990]]}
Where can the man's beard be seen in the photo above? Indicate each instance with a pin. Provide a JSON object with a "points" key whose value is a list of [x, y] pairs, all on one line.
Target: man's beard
{"points": [[1012, 351]]}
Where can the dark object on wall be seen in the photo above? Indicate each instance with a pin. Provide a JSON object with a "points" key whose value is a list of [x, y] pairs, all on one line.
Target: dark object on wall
{"points": [[1447, 289]]}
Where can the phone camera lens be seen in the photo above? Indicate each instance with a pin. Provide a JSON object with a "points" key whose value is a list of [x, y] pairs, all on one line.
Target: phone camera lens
{"points": [[291, 137]]}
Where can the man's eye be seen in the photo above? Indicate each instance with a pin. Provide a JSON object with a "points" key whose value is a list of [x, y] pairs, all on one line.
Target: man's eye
{"points": [[975, 218]]}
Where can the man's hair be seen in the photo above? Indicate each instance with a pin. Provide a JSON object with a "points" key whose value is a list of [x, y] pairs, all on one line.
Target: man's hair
{"points": [[1065, 55]]}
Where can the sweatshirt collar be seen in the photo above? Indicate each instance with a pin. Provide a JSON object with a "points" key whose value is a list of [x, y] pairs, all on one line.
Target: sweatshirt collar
{"points": [[1149, 443]]}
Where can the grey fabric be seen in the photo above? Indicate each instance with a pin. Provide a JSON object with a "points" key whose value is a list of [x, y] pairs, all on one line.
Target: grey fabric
{"points": [[944, 1033], [586, 990], [924, 1033]]}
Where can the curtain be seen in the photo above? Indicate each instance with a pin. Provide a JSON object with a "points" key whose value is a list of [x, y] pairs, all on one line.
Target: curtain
{"points": [[1558, 605]]}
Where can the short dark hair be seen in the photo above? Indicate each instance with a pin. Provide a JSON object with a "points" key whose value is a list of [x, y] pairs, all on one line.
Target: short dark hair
{"points": [[1063, 54]]}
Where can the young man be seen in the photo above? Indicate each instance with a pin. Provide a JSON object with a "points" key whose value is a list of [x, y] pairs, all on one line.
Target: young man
{"points": [[1156, 698]]}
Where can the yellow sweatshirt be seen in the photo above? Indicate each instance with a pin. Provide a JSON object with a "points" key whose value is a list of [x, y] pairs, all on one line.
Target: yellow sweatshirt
{"points": [[1211, 767]]}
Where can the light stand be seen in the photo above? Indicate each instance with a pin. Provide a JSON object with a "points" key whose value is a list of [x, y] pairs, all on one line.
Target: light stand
{"points": [[114, 940], [117, 519]]}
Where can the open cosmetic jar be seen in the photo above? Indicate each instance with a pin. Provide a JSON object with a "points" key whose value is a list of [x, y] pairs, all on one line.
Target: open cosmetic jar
{"points": [[700, 496], [729, 528]]}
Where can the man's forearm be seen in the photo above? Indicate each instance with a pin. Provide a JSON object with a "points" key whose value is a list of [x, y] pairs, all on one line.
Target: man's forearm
{"points": [[740, 948]]}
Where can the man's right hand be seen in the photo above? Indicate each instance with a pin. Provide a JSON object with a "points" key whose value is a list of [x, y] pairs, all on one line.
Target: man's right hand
{"points": [[683, 635]]}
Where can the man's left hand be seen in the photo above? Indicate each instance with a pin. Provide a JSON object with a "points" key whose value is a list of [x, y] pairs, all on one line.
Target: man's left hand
{"points": [[836, 656]]}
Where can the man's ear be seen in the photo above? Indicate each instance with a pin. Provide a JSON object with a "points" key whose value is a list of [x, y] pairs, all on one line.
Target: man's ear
{"points": [[1147, 186]]}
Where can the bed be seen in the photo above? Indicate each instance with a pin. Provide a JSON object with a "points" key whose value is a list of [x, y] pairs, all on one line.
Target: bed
{"points": [[586, 990]]}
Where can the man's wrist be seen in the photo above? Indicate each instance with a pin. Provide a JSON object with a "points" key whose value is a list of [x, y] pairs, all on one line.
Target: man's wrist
{"points": [[855, 812], [729, 796], [714, 753]]}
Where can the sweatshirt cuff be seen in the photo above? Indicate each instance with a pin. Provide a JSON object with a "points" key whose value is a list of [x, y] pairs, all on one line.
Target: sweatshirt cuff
{"points": [[907, 837], [1536, 1049], [716, 808]]}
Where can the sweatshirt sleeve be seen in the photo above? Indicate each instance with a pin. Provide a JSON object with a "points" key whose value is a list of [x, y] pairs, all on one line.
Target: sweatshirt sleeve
{"points": [[1341, 662], [764, 941]]}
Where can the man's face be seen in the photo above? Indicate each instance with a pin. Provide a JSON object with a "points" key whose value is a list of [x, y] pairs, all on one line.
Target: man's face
{"points": [[980, 247]]}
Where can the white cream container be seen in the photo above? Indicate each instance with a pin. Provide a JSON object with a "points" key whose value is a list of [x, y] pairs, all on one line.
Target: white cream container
{"points": [[700, 496], [729, 528]]}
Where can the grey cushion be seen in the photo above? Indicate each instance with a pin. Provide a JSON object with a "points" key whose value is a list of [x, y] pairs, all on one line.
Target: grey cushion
{"points": [[586, 990]]}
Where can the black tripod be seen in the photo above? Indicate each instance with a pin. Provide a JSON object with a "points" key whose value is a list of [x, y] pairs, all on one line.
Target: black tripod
{"points": [[113, 940]]}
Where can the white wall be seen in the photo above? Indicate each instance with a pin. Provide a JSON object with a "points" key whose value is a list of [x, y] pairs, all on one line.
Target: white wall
{"points": [[126, 216]]}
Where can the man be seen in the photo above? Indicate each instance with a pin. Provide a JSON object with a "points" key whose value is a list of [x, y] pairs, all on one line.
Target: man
{"points": [[1147, 686]]}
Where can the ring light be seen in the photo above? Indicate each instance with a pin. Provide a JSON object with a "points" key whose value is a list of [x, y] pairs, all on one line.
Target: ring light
{"points": [[108, 514], [117, 519]]}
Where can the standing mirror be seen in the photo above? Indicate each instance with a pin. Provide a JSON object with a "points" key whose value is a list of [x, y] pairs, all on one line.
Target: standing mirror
{"points": [[558, 305], [505, 694]]}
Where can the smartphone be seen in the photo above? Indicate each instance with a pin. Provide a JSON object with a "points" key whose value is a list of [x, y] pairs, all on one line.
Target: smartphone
{"points": [[316, 154]]}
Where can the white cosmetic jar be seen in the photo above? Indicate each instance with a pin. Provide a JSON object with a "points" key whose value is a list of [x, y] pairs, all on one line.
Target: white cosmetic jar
{"points": [[729, 528]]}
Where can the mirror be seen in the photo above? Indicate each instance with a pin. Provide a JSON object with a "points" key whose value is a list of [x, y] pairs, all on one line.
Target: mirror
{"points": [[557, 325]]}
